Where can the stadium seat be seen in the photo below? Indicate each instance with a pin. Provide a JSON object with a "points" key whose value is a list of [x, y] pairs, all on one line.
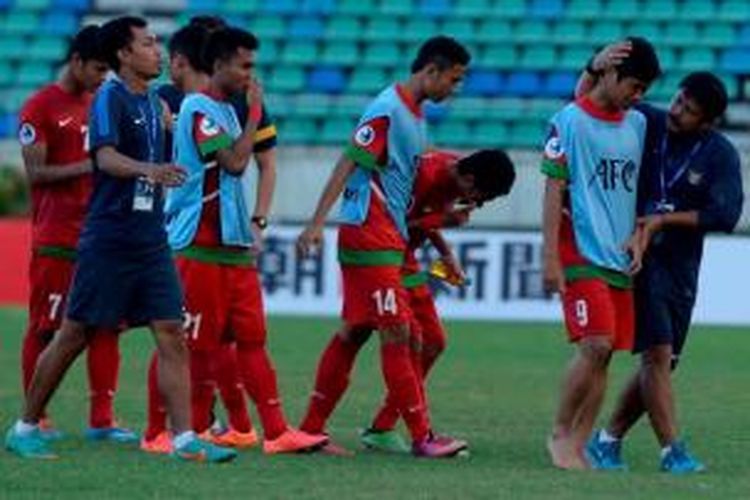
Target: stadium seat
{"points": [[434, 112], [497, 56], [303, 53], [546, 9], [461, 29], [20, 23], [523, 84], [574, 58], [382, 55], [718, 35], [623, 10], [538, 57], [735, 61], [528, 134], [606, 32], [681, 34], [489, 134], [268, 53], [322, 7], [32, 5], [12, 48], [667, 58], [366, 80], [357, 7], [560, 84], [326, 80], [743, 38], [240, 6], [297, 131], [6, 73], [584, 9], [203, 6], [59, 23], [287, 79], [541, 110], [647, 29], [511, 9], [343, 28], [697, 10], [350, 105], [337, 131], [305, 28], [311, 105], [401, 8], [268, 27], [434, 8], [734, 11], [417, 30], [469, 108], [494, 31], [47, 49], [697, 59], [283, 7], [471, 8], [340, 53], [8, 125], [531, 31], [33, 74], [569, 32], [384, 29], [452, 133], [659, 10], [483, 83]]}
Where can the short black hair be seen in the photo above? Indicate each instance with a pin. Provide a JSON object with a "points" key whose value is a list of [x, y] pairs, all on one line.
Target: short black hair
{"points": [[87, 45], [444, 51], [493, 171], [642, 63], [209, 23], [189, 41], [223, 44], [708, 91], [118, 34]]}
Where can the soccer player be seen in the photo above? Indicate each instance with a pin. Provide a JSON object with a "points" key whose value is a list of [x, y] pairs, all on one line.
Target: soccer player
{"points": [[216, 238], [690, 185], [447, 188], [185, 51], [53, 131], [376, 174], [591, 160], [125, 271]]}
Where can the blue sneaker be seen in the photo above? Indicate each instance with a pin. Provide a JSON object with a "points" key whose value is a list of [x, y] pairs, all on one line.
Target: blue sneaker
{"points": [[679, 461], [604, 455], [48, 431], [31, 445], [198, 450], [113, 434]]}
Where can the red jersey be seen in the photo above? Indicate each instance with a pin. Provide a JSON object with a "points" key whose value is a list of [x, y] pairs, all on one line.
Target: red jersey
{"points": [[59, 120], [434, 195]]}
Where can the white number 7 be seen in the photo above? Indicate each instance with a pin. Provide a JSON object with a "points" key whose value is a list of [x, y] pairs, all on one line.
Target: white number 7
{"points": [[55, 301]]}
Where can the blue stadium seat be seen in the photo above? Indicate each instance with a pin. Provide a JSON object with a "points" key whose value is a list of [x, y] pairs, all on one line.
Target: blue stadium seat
{"points": [[60, 23], [8, 124], [318, 6], [66, 5], [546, 9], [523, 84], [206, 6], [308, 27], [483, 83], [5, 4], [743, 39], [434, 8], [560, 84], [279, 7], [736, 61], [434, 112], [326, 80]]}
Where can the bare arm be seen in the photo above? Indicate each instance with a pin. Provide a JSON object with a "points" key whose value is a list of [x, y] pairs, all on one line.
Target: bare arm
{"points": [[554, 281], [119, 165], [313, 234], [38, 172]]}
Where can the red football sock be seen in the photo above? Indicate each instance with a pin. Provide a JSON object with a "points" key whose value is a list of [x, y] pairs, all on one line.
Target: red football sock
{"points": [[387, 416], [259, 378], [103, 362], [331, 381], [33, 345], [157, 412], [230, 388], [202, 387], [404, 387]]}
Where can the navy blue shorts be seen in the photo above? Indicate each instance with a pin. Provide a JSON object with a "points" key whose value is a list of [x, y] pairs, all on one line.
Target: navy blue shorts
{"points": [[663, 310], [112, 288]]}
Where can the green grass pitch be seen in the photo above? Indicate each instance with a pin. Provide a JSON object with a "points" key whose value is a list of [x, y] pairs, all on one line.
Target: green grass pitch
{"points": [[496, 386]]}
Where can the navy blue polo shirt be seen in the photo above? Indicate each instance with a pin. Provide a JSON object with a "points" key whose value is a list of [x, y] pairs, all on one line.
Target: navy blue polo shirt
{"points": [[118, 217], [700, 172], [265, 135]]}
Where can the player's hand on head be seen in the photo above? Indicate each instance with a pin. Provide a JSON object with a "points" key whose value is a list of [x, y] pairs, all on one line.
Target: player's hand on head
{"points": [[611, 55], [167, 175], [309, 240]]}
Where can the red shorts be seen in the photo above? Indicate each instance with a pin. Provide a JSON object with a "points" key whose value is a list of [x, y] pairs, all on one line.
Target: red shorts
{"points": [[594, 308], [426, 324], [224, 303], [49, 279], [374, 297]]}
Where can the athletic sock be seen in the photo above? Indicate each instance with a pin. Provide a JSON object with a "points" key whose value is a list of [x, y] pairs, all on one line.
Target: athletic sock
{"points": [[259, 379], [230, 388], [22, 428], [103, 363], [331, 381], [183, 439], [201, 390], [157, 412], [403, 387]]}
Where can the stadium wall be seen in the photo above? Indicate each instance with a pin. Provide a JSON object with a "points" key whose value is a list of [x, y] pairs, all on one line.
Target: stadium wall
{"points": [[504, 268]]}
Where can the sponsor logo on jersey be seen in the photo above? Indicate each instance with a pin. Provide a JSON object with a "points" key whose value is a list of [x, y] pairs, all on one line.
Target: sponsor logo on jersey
{"points": [[26, 134], [364, 136]]}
